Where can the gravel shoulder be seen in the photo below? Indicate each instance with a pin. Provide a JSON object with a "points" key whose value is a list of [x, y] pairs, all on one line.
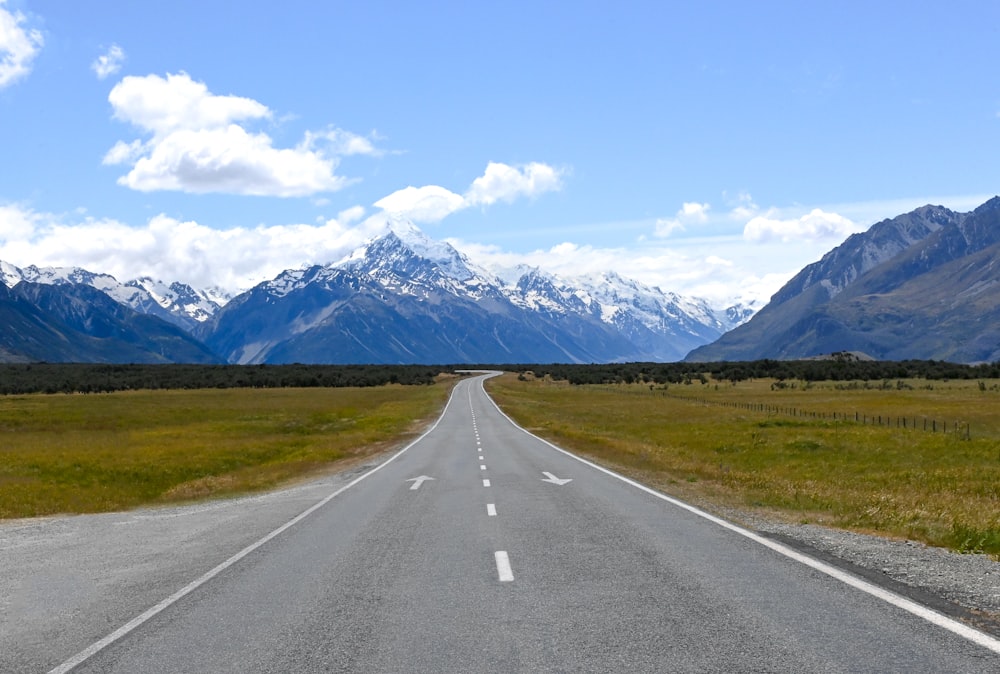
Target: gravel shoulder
{"points": [[963, 586]]}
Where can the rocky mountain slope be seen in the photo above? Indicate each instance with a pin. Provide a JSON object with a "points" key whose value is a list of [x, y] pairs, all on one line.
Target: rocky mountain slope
{"points": [[78, 323], [924, 285]]}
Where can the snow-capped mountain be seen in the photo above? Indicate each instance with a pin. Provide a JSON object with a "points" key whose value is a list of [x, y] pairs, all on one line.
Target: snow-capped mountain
{"points": [[176, 303], [404, 297]]}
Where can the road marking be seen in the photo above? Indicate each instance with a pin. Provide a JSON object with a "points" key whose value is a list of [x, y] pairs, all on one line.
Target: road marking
{"points": [[899, 601], [486, 483], [491, 509], [417, 481], [482, 466], [504, 571], [101, 644], [549, 477]]}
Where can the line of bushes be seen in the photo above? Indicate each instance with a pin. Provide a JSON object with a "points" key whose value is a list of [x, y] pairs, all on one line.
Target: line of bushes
{"points": [[105, 378], [832, 369]]}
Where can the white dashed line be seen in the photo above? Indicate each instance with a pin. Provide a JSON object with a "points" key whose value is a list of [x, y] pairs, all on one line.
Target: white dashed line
{"points": [[503, 567], [486, 483], [491, 509]]}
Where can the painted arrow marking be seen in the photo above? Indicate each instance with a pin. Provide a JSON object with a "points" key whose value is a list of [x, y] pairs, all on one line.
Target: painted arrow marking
{"points": [[417, 481], [549, 477]]}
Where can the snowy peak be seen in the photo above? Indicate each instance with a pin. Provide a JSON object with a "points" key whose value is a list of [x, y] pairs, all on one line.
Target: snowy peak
{"points": [[177, 303], [406, 261], [179, 298]]}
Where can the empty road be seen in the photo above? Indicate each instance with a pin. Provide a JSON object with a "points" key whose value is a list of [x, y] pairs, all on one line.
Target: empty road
{"points": [[480, 548]]}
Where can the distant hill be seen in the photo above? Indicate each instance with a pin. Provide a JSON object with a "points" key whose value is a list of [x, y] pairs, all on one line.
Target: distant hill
{"points": [[924, 285]]}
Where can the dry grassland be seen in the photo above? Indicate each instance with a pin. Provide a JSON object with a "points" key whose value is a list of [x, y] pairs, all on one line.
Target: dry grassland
{"points": [[725, 445], [93, 453]]}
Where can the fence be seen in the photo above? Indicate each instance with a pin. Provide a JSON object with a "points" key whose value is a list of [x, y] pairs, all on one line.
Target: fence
{"points": [[963, 430]]}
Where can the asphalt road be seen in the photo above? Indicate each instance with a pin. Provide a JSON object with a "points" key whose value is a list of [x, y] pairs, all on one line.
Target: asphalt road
{"points": [[510, 556]]}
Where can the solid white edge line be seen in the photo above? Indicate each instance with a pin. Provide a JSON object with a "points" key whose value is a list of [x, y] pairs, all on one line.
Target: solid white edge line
{"points": [[897, 600], [504, 572], [98, 646]]}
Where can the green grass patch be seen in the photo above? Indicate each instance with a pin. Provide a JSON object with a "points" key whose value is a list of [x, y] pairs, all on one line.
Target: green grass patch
{"points": [[718, 445], [94, 453]]}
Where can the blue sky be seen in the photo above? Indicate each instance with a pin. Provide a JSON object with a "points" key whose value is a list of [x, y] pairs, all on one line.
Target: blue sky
{"points": [[710, 148]]}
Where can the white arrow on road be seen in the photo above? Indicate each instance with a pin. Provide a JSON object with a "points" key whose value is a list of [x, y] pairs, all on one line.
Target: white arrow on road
{"points": [[549, 477], [417, 481]]}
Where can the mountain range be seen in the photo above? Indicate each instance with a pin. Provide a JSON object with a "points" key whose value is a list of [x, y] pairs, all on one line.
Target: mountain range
{"points": [[401, 298], [924, 285]]}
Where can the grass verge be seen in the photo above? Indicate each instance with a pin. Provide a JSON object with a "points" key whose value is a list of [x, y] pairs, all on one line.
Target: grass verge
{"points": [[98, 453], [938, 488]]}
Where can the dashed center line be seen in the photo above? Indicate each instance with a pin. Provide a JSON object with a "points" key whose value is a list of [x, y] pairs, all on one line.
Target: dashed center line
{"points": [[505, 573], [482, 466], [486, 483], [491, 509]]}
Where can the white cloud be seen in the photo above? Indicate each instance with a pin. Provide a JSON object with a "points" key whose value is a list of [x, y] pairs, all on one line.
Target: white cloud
{"points": [[18, 46], [694, 212], [230, 160], [164, 105], [17, 223], [108, 63], [691, 212], [743, 206], [198, 143], [817, 224], [175, 250], [342, 143], [500, 182], [430, 203]]}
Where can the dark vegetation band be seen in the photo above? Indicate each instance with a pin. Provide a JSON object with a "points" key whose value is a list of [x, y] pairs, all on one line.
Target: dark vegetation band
{"points": [[105, 378], [832, 369], [102, 378]]}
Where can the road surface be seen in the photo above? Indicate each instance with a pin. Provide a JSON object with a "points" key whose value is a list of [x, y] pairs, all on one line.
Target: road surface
{"points": [[480, 548]]}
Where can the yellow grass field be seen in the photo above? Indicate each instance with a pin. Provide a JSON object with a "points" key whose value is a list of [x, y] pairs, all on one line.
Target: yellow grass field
{"points": [[729, 446], [93, 453]]}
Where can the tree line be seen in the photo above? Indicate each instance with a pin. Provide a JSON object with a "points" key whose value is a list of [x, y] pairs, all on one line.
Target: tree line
{"points": [[833, 369], [105, 378], [24, 378]]}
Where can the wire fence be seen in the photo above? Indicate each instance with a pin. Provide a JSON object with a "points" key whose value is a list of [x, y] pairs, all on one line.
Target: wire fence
{"points": [[917, 423]]}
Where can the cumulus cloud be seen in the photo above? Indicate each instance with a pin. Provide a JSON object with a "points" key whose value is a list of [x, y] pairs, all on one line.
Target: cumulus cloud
{"points": [[18, 46], [108, 63], [198, 143], [500, 182], [817, 224], [691, 212], [342, 143], [430, 203]]}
